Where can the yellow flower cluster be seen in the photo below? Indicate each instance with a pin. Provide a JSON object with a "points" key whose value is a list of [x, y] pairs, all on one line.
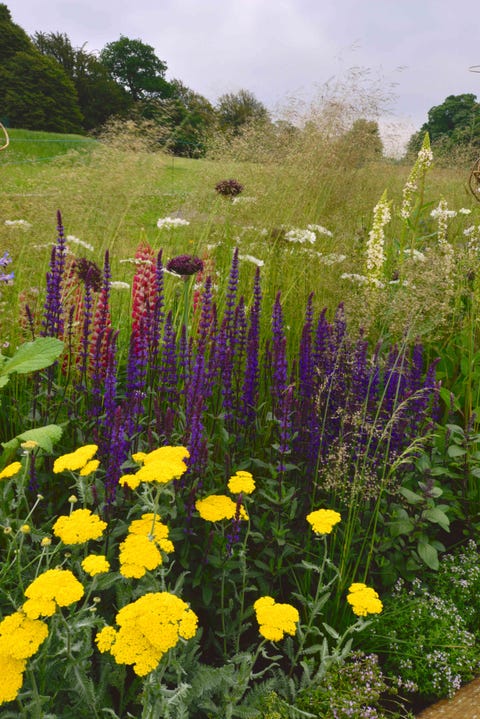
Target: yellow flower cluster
{"points": [[96, 564], [217, 507], [141, 548], [364, 600], [148, 628], [162, 465], [323, 520], [10, 470], [75, 460], [55, 587], [241, 483], [89, 468], [78, 527], [20, 638], [274, 619]]}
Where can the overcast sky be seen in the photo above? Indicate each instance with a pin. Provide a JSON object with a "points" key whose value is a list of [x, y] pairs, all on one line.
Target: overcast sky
{"points": [[282, 49]]}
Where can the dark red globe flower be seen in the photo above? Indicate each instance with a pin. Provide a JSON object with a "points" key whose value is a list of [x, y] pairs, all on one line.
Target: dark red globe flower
{"points": [[228, 188], [185, 265]]}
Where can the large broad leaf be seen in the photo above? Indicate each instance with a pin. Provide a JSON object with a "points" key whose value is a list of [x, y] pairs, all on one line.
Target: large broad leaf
{"points": [[45, 437], [33, 356], [428, 554]]}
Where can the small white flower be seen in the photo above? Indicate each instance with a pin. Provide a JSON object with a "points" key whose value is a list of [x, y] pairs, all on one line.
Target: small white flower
{"points": [[18, 223], [441, 211], [117, 285], [464, 211], [299, 235], [243, 200], [76, 241], [415, 255], [136, 261], [251, 258], [321, 230], [171, 222], [360, 279], [332, 259]]}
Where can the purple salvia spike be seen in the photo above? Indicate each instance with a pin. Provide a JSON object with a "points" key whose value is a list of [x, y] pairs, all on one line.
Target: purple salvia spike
{"points": [[206, 316], [279, 360], [86, 330], [158, 312], [250, 383], [52, 323], [230, 299], [168, 366]]}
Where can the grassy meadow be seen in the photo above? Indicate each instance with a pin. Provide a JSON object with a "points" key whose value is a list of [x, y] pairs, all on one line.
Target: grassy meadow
{"points": [[242, 483]]}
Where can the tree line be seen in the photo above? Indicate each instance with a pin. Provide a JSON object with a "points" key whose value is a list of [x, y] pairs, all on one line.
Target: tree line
{"points": [[48, 84]]}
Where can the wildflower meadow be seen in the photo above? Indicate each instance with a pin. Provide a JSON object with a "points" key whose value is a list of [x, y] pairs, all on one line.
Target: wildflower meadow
{"points": [[240, 450]]}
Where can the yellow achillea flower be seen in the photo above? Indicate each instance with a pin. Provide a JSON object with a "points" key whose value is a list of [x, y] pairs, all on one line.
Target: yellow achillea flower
{"points": [[162, 465], [75, 460], [217, 507], [20, 637], [153, 530], [141, 548], [241, 483], [11, 671], [148, 628], [55, 587], [96, 564], [90, 467], [364, 600], [274, 619], [78, 527], [137, 554], [10, 470], [130, 480], [323, 520]]}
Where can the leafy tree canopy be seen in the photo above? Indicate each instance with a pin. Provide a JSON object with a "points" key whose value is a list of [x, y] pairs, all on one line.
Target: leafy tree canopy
{"points": [[35, 94], [455, 122], [134, 65], [99, 96], [12, 38], [237, 109]]}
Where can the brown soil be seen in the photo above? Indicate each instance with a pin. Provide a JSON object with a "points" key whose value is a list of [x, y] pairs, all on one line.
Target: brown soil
{"points": [[464, 705]]}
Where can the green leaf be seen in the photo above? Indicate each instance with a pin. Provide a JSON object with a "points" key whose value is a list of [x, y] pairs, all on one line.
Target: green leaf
{"points": [[401, 526], [45, 437], [455, 451], [33, 356], [411, 497], [437, 516], [428, 554]]}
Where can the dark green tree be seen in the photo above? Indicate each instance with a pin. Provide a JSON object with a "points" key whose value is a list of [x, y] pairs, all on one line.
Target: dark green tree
{"points": [[99, 96], [35, 94], [135, 66], [454, 123], [12, 38], [194, 122], [235, 110]]}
